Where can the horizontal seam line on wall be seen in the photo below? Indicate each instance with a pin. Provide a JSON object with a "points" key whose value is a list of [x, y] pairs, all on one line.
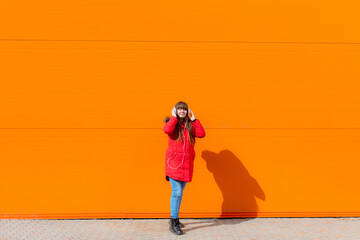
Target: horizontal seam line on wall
{"points": [[159, 41], [220, 128], [185, 215], [97, 213]]}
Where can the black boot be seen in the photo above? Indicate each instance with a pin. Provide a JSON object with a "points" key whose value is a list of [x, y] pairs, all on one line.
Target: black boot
{"points": [[174, 226], [180, 224]]}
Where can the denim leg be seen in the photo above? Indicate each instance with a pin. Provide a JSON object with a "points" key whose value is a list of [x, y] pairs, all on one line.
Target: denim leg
{"points": [[176, 196], [183, 184]]}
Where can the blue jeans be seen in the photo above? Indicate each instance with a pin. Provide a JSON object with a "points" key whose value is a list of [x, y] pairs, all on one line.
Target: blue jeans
{"points": [[176, 196]]}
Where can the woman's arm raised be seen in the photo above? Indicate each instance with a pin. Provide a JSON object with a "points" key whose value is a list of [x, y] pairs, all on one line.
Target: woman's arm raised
{"points": [[170, 125], [198, 129]]}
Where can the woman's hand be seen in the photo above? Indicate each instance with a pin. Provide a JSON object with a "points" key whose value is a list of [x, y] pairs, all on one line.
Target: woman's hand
{"points": [[191, 115], [173, 112]]}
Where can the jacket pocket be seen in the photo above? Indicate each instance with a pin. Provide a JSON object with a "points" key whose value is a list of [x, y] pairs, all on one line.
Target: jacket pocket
{"points": [[171, 153]]}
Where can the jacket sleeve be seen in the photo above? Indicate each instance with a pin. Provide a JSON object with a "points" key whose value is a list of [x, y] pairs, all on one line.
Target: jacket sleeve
{"points": [[198, 129], [170, 125]]}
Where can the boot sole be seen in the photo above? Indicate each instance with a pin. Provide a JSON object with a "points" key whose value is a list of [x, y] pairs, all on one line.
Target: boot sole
{"points": [[171, 230]]}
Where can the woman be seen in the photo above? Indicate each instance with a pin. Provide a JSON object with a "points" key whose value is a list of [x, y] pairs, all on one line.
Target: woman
{"points": [[181, 128]]}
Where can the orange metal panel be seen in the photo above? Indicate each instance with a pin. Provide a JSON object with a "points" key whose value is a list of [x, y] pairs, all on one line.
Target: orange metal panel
{"points": [[161, 20], [85, 87]]}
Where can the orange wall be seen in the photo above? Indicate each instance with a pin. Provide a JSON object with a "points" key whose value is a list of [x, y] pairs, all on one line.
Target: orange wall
{"points": [[85, 86]]}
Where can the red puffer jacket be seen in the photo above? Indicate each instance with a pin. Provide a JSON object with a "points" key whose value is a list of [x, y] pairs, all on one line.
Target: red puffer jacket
{"points": [[179, 159]]}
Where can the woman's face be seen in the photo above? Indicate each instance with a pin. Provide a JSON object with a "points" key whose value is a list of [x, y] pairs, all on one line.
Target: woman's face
{"points": [[181, 112]]}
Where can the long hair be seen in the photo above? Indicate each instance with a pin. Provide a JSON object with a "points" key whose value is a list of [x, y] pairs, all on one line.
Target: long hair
{"points": [[178, 131]]}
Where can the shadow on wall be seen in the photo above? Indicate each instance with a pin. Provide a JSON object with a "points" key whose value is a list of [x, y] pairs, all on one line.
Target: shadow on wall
{"points": [[238, 187]]}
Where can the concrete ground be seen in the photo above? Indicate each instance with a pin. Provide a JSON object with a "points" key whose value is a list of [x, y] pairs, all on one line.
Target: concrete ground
{"points": [[246, 229]]}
